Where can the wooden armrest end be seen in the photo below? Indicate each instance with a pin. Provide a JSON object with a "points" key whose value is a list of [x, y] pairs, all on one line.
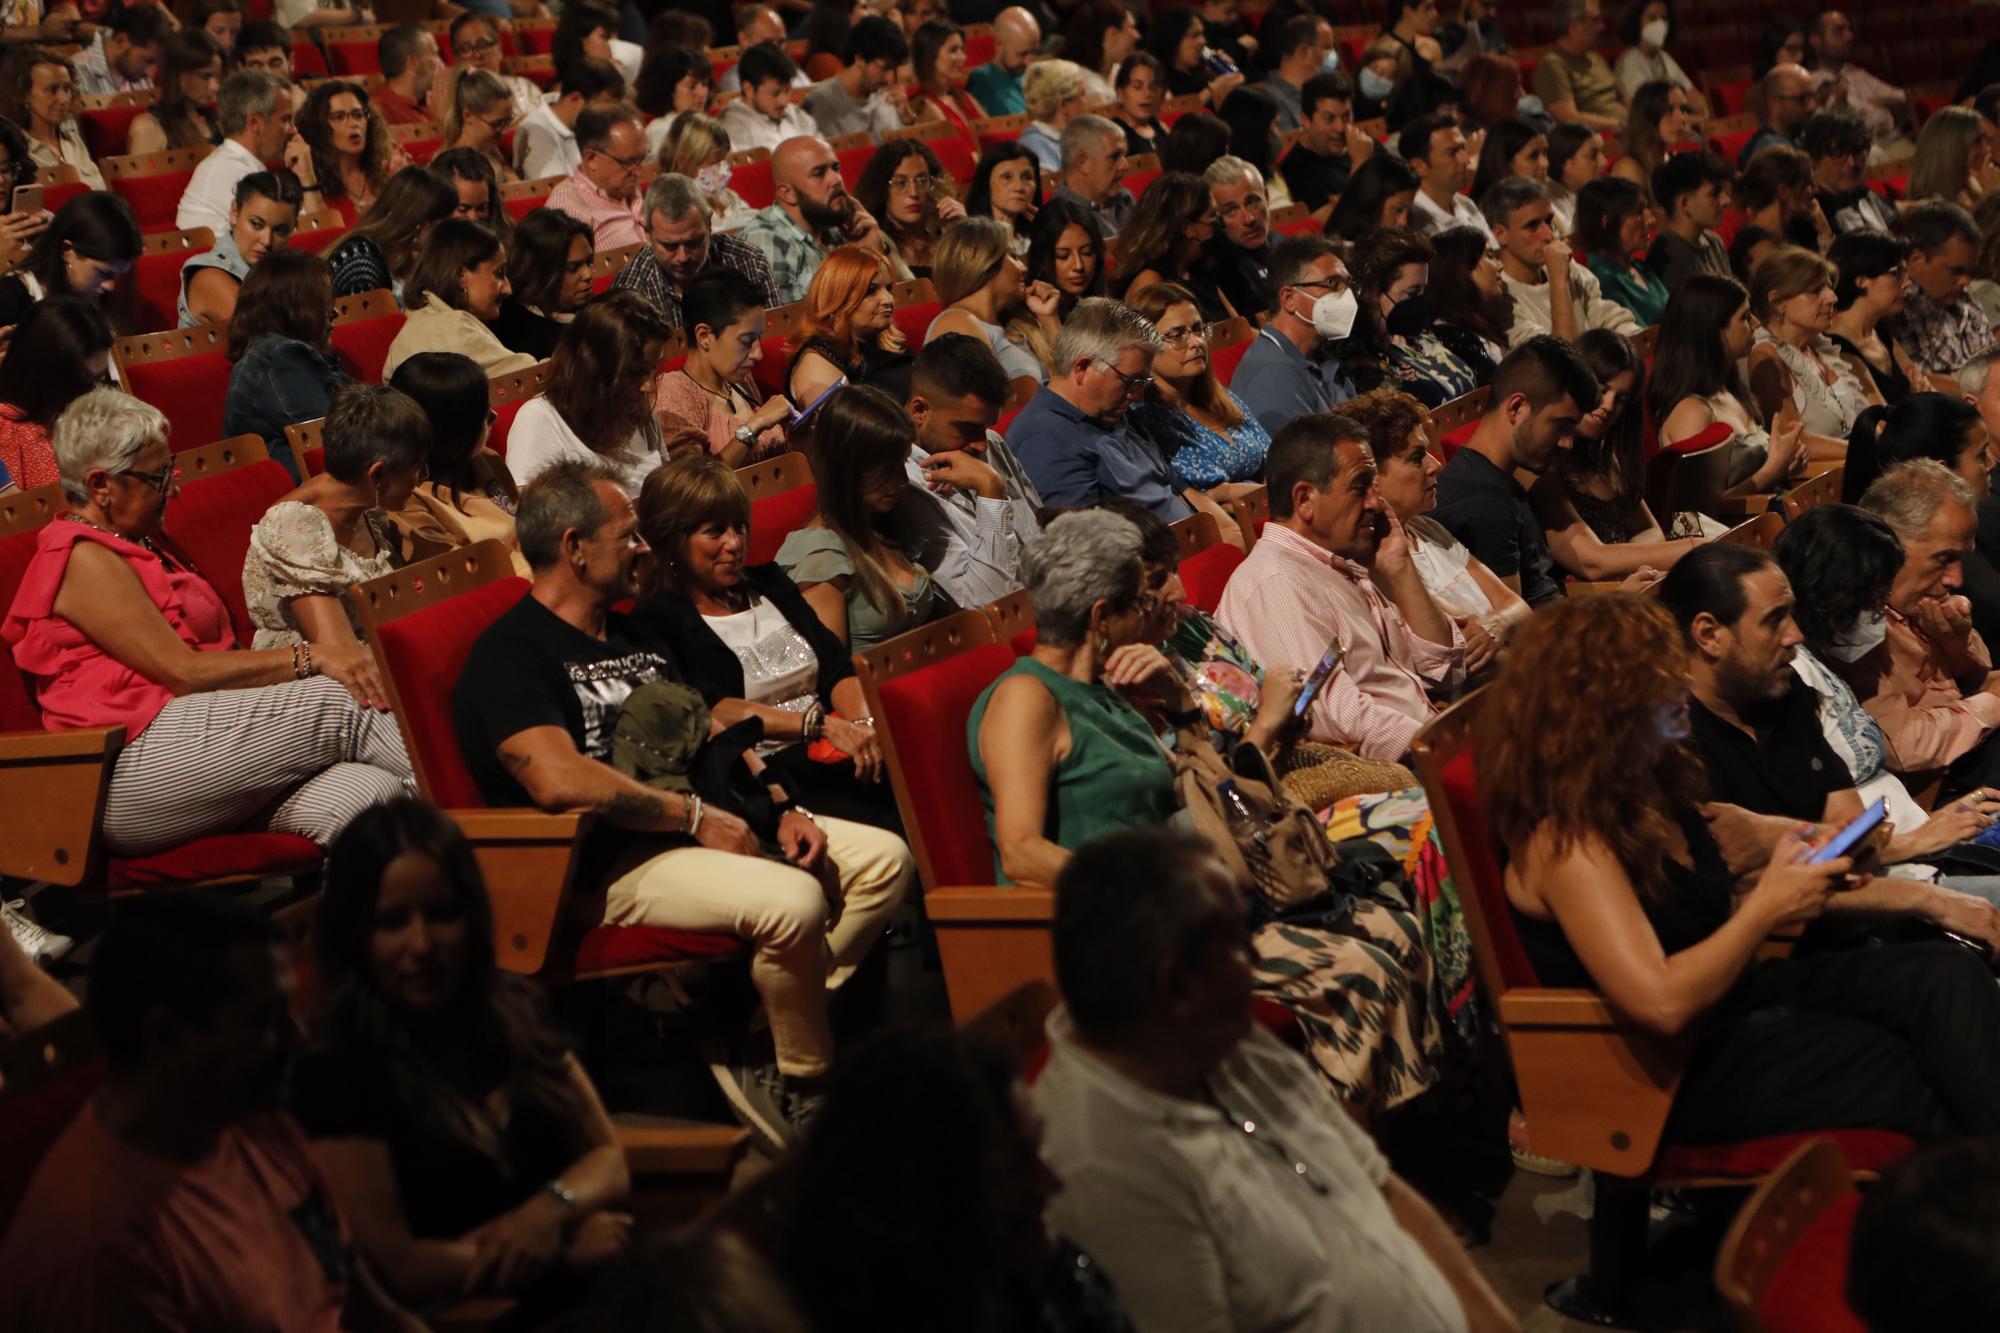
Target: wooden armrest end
{"points": [[659, 1147], [1557, 1008], [1024, 903], [52, 786]]}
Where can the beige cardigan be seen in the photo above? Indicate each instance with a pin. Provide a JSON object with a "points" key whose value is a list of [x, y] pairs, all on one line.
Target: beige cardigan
{"points": [[438, 327]]}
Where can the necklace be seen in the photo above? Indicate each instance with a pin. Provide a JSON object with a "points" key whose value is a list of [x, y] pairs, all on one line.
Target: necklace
{"points": [[173, 557]]}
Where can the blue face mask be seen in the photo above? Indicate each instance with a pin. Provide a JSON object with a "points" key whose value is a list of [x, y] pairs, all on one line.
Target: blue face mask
{"points": [[1531, 105], [1330, 62], [1373, 85]]}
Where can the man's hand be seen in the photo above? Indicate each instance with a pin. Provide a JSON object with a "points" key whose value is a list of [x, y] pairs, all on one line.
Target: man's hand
{"points": [[1556, 259], [1744, 836], [802, 841], [725, 832], [955, 469], [599, 1239], [1963, 914], [1945, 621], [299, 159], [1392, 553], [1641, 579], [1359, 145]]}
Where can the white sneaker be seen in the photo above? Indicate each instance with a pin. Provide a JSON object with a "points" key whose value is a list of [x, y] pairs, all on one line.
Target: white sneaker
{"points": [[41, 944]]}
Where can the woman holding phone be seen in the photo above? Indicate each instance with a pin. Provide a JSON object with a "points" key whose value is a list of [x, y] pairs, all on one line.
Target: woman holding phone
{"points": [[849, 329], [712, 404]]}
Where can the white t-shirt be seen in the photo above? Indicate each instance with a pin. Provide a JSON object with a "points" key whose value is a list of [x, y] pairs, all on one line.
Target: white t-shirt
{"points": [[544, 146], [211, 191], [779, 667], [541, 438]]}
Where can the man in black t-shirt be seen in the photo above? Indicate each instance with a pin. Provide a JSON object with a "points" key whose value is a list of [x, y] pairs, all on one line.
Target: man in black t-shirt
{"points": [[1317, 169], [535, 709]]}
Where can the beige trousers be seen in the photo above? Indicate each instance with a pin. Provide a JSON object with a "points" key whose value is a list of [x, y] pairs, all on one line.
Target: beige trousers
{"points": [[805, 945]]}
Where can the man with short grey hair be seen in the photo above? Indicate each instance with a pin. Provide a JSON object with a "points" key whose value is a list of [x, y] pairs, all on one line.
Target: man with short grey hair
{"points": [[1285, 373], [1242, 254], [1572, 79], [680, 248], [1073, 438], [1094, 160], [255, 112]]}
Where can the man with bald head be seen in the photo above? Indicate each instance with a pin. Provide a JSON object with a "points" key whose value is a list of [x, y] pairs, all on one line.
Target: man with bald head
{"points": [[997, 84], [603, 192], [813, 214], [1789, 97]]}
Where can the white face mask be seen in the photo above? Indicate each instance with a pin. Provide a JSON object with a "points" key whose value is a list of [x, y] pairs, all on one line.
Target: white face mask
{"points": [[1333, 315], [1861, 638], [1654, 33], [712, 178]]}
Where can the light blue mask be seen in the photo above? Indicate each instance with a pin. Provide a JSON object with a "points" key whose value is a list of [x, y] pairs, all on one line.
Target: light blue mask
{"points": [[1373, 85], [1330, 62], [1531, 106]]}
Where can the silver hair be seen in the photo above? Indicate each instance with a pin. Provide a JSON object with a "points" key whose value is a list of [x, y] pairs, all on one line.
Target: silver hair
{"points": [[1050, 83], [1087, 134], [247, 93], [1506, 195], [1909, 495], [1100, 328], [1973, 374], [1228, 170], [1085, 557], [104, 429], [673, 196]]}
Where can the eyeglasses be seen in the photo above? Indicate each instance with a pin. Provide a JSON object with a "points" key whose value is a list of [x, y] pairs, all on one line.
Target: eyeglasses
{"points": [[1133, 383], [159, 481], [355, 117], [478, 48], [1331, 284], [627, 163], [498, 124], [1191, 333], [903, 184]]}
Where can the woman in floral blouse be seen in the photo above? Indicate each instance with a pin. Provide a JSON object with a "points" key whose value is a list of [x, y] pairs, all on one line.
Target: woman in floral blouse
{"points": [[1211, 440]]}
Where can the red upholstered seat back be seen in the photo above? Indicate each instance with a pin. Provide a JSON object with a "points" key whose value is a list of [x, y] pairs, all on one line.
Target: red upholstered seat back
{"points": [[105, 128], [1461, 781], [503, 421], [17, 711], [190, 390], [316, 240], [1206, 573], [307, 62], [426, 651], [354, 57], [526, 204], [771, 367], [776, 517], [156, 290], [154, 199], [752, 181], [31, 1123], [853, 161], [364, 344], [1804, 1294], [1452, 442], [914, 320], [211, 520], [1224, 360], [955, 156], [927, 711]]}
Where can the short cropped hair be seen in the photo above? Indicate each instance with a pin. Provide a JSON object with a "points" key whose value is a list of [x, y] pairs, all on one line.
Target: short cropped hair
{"points": [[1834, 129], [595, 123], [592, 78], [1306, 448], [105, 428], [247, 93], [1909, 495], [1544, 370], [1100, 329], [766, 62], [1932, 225], [1972, 375], [398, 47], [1329, 87], [879, 38], [1087, 134], [166, 951], [1291, 257], [1414, 143], [1683, 174], [956, 365], [373, 423], [1710, 578], [1082, 558], [559, 499], [1508, 195], [673, 196]]}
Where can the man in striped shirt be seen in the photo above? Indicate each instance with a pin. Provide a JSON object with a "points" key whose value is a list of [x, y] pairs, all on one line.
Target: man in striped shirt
{"points": [[1333, 567]]}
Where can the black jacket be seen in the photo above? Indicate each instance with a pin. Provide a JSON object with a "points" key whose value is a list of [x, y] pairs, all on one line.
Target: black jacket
{"points": [[669, 620]]}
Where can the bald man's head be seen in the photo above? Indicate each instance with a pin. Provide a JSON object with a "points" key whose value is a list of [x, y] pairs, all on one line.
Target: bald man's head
{"points": [[1017, 38], [806, 176], [1789, 97]]}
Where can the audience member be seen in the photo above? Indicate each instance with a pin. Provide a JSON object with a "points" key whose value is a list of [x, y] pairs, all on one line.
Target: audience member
{"points": [[1329, 146], [352, 156], [1333, 567], [604, 189], [467, 495], [1691, 191], [283, 369], [1789, 98], [1513, 148], [1169, 232], [1883, 109], [1941, 326], [1591, 793], [847, 332], [475, 179], [1242, 253], [1141, 86], [1490, 91], [1288, 372], [674, 82], [1054, 93], [969, 507], [1392, 341], [1101, 39], [38, 94], [261, 220], [590, 31], [1954, 158], [1295, 60], [536, 708], [481, 114], [751, 644], [1178, 39], [549, 272], [765, 115], [308, 742], [598, 405], [1381, 193], [710, 402], [984, 290], [812, 215], [1209, 438], [1919, 1250], [1647, 28], [255, 116], [1662, 118], [1613, 219], [937, 61], [1470, 306], [409, 58], [1837, 142], [475, 44], [1000, 85], [178, 1194], [453, 296], [1067, 253], [1093, 161], [1698, 381], [266, 48], [1435, 149], [1248, 115], [190, 87], [1006, 187], [333, 532], [125, 54], [1157, 1032], [681, 247], [698, 148], [903, 187], [1576, 158], [18, 227], [461, 1138], [1794, 364], [1572, 80], [1197, 139], [545, 141], [1775, 193], [1552, 292], [1871, 288], [89, 246], [864, 97], [378, 251], [61, 351]]}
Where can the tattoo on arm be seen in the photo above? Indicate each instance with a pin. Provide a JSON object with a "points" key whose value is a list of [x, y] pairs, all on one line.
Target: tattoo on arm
{"points": [[516, 763], [633, 809]]}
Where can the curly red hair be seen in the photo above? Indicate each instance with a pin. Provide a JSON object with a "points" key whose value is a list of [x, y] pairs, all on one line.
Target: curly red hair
{"points": [[1565, 736]]}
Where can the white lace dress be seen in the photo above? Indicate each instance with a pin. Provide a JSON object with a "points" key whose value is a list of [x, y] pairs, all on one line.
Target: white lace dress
{"points": [[293, 553]]}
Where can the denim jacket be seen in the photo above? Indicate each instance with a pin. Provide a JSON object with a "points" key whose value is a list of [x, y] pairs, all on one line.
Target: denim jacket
{"points": [[279, 382]]}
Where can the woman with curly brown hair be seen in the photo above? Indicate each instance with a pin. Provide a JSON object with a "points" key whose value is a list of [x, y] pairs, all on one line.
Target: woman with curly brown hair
{"points": [[1617, 881], [599, 400], [352, 156]]}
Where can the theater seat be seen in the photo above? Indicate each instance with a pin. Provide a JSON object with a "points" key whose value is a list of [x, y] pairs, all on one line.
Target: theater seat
{"points": [[182, 372], [212, 517], [363, 345], [752, 181], [915, 321], [223, 858], [782, 500], [156, 278]]}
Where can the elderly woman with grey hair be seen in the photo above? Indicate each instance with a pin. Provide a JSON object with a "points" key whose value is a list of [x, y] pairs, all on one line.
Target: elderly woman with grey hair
{"points": [[1064, 755], [115, 627]]}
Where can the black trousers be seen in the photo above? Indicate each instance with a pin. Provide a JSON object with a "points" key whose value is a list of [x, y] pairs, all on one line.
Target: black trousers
{"points": [[1903, 1037]]}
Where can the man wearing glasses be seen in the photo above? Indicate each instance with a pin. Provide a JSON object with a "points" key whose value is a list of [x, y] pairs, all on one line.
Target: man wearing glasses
{"points": [[603, 192], [1789, 97], [1837, 142], [1283, 375], [680, 248]]}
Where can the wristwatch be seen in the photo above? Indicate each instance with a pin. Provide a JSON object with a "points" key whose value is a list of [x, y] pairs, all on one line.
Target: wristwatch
{"points": [[796, 809], [746, 437]]}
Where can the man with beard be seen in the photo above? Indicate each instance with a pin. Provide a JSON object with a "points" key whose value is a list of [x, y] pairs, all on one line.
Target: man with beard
{"points": [[1242, 255], [1539, 393], [813, 213], [1837, 142], [681, 248]]}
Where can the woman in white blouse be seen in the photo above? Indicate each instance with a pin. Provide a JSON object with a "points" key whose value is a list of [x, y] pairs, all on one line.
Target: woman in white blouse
{"points": [[1794, 362], [598, 405]]}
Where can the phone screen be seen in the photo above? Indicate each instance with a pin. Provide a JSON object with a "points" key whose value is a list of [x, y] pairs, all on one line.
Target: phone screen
{"points": [[1844, 841], [1310, 689]]}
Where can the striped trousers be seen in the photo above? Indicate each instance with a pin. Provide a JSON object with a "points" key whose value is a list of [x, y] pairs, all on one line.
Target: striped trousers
{"points": [[301, 757]]}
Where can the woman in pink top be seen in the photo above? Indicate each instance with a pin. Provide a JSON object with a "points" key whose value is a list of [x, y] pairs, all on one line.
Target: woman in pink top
{"points": [[712, 403], [114, 627], [61, 350]]}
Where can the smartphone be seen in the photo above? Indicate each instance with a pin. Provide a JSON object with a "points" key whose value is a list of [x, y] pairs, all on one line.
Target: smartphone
{"points": [[1327, 662], [27, 198], [814, 405], [1845, 840]]}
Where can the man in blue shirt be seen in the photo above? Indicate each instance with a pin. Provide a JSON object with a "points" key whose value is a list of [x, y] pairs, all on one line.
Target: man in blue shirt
{"points": [[996, 85], [1281, 376], [1072, 436]]}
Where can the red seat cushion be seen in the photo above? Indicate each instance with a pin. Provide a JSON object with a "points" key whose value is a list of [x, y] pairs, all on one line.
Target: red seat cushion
{"points": [[1804, 1294], [503, 420], [1753, 1159], [355, 57], [853, 161], [1224, 360], [1451, 442], [638, 946], [105, 128], [425, 651], [776, 517], [421, 151], [156, 290], [211, 519], [927, 712], [364, 344], [221, 856], [1461, 784], [770, 370], [307, 62], [520, 208], [17, 711], [1206, 573], [154, 199], [914, 320], [955, 155], [190, 390], [753, 182]]}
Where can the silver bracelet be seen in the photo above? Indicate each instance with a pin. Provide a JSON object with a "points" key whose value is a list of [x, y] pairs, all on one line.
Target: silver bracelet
{"points": [[693, 814]]}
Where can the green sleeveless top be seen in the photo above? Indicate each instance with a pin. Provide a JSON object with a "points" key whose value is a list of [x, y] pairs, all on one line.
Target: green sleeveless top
{"points": [[1116, 776]]}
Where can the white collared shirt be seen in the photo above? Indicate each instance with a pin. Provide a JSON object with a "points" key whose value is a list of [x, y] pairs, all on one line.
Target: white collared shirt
{"points": [[544, 146], [212, 189], [750, 128], [1428, 219]]}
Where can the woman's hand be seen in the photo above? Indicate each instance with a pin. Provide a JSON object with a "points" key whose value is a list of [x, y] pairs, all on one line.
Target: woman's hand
{"points": [[353, 667], [1640, 579], [1137, 665], [516, 1247], [775, 411], [802, 841], [1044, 301], [950, 210], [1961, 821], [1481, 648], [1788, 442], [18, 230], [599, 1239], [1274, 706], [1791, 889], [857, 741]]}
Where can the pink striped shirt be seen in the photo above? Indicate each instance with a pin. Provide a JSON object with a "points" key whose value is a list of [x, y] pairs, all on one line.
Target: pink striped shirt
{"points": [[613, 224], [1929, 719], [1290, 599]]}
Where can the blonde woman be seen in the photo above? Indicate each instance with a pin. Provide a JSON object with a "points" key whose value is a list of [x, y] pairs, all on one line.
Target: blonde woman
{"points": [[697, 147], [983, 286], [482, 111], [1053, 90], [1954, 160], [1791, 294]]}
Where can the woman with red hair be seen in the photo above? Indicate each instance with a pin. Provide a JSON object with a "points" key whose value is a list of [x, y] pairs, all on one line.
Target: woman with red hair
{"points": [[849, 332]]}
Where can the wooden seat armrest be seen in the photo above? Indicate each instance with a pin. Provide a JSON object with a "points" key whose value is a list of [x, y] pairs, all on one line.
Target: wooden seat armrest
{"points": [[1021, 902], [52, 786], [518, 825], [1592, 587], [658, 1147], [528, 858], [1558, 1009]]}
